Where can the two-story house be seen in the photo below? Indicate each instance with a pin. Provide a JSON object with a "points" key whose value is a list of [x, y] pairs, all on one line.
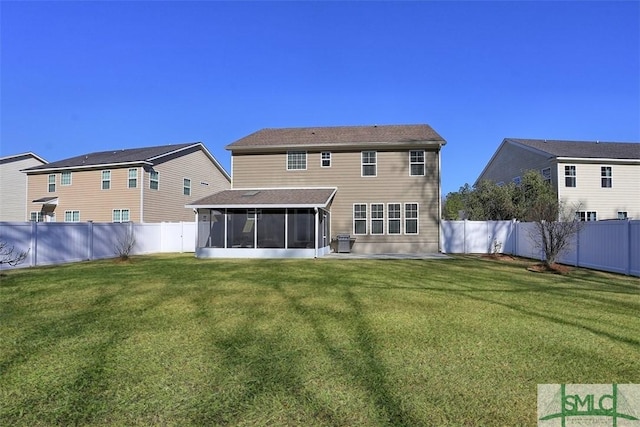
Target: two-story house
{"points": [[150, 184], [13, 184], [295, 190], [600, 180]]}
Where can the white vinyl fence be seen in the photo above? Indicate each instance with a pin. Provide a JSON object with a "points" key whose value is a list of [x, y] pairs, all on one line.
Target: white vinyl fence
{"points": [[601, 245], [61, 242]]}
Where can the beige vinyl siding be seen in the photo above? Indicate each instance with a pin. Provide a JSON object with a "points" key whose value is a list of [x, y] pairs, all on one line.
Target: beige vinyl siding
{"points": [[167, 203], [13, 188], [511, 161], [392, 184], [85, 194], [624, 195]]}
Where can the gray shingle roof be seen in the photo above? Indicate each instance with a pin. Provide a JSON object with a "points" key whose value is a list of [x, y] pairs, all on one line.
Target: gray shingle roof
{"points": [[338, 135], [111, 157], [278, 197], [583, 149]]}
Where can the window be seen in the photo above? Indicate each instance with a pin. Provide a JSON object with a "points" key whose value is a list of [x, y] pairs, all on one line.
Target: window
{"points": [[586, 216], [360, 218], [52, 183], [369, 163], [65, 178], [186, 186], [393, 226], [569, 176], [416, 162], [120, 215], [325, 159], [411, 218], [622, 215], [296, 160], [377, 218], [133, 178], [605, 176], [154, 180], [36, 216], [106, 180], [71, 216], [517, 180], [546, 175]]}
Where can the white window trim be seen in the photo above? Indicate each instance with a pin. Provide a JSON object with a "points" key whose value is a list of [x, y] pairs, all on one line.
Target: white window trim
{"points": [[71, 212], [372, 219], [157, 180], [49, 183], [184, 186], [574, 176], [546, 171], [586, 215], [129, 177], [389, 219], [365, 219], [610, 177], [423, 163], [322, 159], [120, 212], [306, 160], [102, 180], [417, 218], [70, 178], [362, 164]]}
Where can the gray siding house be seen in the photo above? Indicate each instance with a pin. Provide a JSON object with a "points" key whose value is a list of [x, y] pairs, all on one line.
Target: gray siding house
{"points": [[13, 185], [600, 179], [295, 190]]}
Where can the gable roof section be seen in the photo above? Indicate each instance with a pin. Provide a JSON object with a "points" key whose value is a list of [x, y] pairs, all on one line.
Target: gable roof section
{"points": [[130, 156], [336, 136], [267, 198], [21, 156], [582, 149]]}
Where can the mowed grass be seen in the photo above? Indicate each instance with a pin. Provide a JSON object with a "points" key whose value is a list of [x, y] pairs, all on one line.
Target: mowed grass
{"points": [[172, 340]]}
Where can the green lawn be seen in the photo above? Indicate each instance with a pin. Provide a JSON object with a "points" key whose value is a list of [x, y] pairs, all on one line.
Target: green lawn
{"points": [[172, 340]]}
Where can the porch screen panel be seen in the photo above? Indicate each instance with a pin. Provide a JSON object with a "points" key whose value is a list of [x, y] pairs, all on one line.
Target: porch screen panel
{"points": [[301, 228], [271, 228], [240, 228], [210, 228]]}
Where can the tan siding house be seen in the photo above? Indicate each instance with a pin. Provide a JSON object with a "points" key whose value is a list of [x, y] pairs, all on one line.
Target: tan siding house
{"points": [[149, 184], [386, 181], [600, 180], [13, 185]]}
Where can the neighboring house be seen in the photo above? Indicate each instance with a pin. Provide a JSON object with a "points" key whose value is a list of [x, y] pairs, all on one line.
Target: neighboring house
{"points": [[13, 185], [150, 184], [601, 180], [295, 190]]}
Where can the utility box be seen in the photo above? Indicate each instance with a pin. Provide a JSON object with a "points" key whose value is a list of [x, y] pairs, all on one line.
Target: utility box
{"points": [[344, 243]]}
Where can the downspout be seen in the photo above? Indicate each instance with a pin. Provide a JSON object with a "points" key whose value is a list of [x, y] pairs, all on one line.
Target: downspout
{"points": [[315, 215], [142, 195], [439, 199]]}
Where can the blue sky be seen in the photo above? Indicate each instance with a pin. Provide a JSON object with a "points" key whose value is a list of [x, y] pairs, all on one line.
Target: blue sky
{"points": [[78, 77]]}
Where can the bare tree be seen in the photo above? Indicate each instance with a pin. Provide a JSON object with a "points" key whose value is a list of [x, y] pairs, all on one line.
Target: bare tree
{"points": [[554, 227], [9, 254], [125, 243]]}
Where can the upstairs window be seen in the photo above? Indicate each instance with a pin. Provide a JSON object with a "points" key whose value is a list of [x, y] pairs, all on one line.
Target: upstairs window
{"points": [[186, 187], [416, 163], [569, 176], [377, 218], [369, 163], [65, 178], [133, 178], [605, 176], [154, 180], [52, 183], [106, 180], [360, 218], [517, 180], [296, 160], [546, 175], [325, 159]]}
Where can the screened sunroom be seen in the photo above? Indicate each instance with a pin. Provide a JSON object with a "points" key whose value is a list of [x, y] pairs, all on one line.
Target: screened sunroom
{"points": [[264, 223]]}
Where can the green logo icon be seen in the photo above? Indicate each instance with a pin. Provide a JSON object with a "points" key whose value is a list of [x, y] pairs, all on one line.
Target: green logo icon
{"points": [[576, 405]]}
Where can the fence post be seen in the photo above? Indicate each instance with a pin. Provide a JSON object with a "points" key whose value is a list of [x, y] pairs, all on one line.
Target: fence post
{"points": [[628, 243], [34, 243], [464, 235], [578, 247], [90, 240]]}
